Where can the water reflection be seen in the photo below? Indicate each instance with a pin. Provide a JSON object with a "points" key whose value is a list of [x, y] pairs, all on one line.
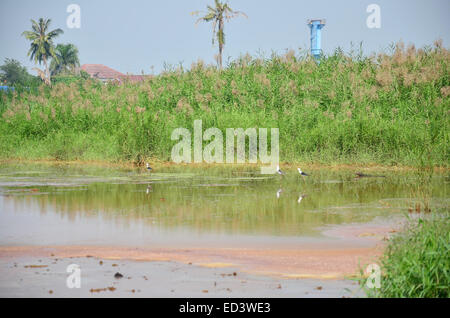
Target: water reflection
{"points": [[279, 193], [215, 200], [300, 198]]}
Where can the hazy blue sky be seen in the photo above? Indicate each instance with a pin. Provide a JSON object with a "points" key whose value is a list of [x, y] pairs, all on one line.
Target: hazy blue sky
{"points": [[134, 35]]}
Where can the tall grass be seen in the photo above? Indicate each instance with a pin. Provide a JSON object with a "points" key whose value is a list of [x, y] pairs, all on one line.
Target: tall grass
{"points": [[416, 263], [390, 108]]}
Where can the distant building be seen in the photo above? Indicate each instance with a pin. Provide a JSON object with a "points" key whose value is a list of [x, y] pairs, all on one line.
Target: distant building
{"points": [[107, 74]]}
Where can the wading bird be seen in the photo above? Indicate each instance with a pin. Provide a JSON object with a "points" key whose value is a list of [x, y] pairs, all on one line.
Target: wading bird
{"points": [[148, 167], [279, 171], [301, 172]]}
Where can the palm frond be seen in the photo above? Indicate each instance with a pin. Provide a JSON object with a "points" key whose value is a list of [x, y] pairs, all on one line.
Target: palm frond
{"points": [[216, 16]]}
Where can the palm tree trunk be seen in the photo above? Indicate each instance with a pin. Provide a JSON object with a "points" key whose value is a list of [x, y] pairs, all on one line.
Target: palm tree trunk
{"points": [[220, 55], [47, 73], [220, 42]]}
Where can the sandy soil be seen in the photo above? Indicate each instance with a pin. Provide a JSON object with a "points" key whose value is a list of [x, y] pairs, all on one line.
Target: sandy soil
{"points": [[314, 270], [321, 263], [46, 277]]}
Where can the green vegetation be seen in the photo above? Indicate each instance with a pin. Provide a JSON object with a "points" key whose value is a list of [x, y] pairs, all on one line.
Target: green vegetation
{"points": [[12, 73], [69, 77], [66, 60], [42, 47], [388, 109], [417, 261]]}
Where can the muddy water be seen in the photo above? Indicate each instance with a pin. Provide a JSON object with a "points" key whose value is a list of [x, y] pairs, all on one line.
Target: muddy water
{"points": [[208, 207]]}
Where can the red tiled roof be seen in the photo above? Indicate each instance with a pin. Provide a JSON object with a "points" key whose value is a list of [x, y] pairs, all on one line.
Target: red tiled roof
{"points": [[101, 71]]}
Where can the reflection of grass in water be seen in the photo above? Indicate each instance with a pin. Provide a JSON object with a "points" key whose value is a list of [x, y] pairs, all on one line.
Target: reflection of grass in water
{"points": [[416, 262], [422, 192], [250, 207]]}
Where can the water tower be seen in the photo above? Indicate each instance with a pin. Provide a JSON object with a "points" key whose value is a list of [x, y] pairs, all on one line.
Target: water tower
{"points": [[316, 26]]}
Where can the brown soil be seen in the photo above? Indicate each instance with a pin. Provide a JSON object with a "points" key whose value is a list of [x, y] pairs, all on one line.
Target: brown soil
{"points": [[324, 263]]}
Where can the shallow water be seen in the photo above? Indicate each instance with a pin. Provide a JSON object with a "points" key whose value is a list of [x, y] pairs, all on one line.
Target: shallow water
{"points": [[185, 206]]}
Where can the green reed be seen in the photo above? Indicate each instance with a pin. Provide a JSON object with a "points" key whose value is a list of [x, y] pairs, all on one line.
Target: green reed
{"points": [[388, 108], [416, 262]]}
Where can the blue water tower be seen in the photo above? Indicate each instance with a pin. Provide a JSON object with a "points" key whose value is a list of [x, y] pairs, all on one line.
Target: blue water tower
{"points": [[316, 26]]}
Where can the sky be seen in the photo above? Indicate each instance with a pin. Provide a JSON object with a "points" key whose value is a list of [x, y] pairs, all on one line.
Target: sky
{"points": [[136, 36]]}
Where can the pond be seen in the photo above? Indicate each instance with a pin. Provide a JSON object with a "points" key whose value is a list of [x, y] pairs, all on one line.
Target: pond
{"points": [[44, 204]]}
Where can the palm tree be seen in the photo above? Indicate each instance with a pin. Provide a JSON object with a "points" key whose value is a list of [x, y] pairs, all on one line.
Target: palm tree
{"points": [[218, 15], [66, 60], [42, 47]]}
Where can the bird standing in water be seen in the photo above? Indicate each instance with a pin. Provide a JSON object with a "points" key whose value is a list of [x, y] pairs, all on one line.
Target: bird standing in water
{"points": [[279, 171], [301, 172], [148, 167]]}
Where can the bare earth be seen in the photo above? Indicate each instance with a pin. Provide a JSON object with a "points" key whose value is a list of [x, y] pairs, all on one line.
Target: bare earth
{"points": [[314, 271]]}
